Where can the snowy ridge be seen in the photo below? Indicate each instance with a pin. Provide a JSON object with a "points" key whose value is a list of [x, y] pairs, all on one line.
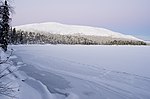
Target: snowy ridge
{"points": [[57, 28]]}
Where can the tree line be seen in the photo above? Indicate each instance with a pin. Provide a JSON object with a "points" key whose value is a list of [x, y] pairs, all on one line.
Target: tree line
{"points": [[25, 37]]}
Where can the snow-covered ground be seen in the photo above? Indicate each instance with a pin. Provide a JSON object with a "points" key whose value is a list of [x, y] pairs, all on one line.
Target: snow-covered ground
{"points": [[12, 85], [85, 72]]}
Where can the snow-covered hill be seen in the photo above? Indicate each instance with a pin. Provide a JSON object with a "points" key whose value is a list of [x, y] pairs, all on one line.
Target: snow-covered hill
{"points": [[57, 28]]}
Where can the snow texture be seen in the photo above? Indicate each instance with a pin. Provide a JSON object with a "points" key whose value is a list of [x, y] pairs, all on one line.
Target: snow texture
{"points": [[86, 72], [23, 87]]}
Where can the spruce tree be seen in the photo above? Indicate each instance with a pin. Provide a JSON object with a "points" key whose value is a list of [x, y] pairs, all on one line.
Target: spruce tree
{"points": [[13, 36], [4, 24]]}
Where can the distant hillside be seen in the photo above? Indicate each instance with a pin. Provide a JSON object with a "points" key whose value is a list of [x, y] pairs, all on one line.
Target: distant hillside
{"points": [[56, 33]]}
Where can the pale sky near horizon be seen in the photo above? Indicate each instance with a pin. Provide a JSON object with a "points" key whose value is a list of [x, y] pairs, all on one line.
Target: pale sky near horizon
{"points": [[124, 16]]}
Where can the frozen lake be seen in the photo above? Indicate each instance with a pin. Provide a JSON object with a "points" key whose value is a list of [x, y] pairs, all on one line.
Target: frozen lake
{"points": [[131, 59], [89, 72]]}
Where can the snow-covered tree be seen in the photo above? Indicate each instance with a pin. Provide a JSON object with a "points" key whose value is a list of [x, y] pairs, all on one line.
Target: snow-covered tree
{"points": [[4, 24]]}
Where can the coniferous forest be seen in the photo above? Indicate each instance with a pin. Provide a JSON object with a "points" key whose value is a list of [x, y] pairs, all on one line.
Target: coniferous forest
{"points": [[24, 37]]}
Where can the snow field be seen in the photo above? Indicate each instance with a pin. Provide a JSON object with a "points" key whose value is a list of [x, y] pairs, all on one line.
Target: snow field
{"points": [[89, 72]]}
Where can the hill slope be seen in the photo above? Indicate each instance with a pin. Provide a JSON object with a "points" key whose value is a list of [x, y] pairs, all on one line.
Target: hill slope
{"points": [[57, 28]]}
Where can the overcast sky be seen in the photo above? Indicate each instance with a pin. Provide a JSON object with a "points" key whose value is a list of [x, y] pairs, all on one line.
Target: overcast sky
{"points": [[125, 16]]}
